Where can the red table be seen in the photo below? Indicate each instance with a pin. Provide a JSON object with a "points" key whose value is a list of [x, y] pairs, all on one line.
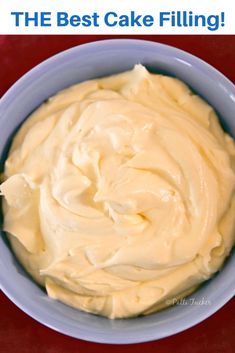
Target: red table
{"points": [[21, 334]]}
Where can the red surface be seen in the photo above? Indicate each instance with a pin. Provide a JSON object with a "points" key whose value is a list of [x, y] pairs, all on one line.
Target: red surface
{"points": [[21, 334]]}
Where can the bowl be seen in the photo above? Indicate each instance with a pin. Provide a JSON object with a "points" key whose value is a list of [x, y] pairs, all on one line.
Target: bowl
{"points": [[81, 63]]}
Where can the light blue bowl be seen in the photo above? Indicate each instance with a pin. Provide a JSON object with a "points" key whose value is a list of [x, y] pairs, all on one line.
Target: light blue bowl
{"points": [[82, 63]]}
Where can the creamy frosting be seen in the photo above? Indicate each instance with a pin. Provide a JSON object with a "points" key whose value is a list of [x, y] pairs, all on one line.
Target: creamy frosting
{"points": [[119, 193]]}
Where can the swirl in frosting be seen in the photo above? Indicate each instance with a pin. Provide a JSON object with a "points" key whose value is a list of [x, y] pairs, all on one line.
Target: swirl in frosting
{"points": [[119, 193]]}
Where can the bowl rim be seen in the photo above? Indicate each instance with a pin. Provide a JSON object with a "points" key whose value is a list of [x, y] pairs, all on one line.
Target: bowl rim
{"points": [[7, 98], [85, 46]]}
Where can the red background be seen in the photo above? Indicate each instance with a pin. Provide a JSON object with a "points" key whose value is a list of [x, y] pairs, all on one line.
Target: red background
{"points": [[21, 334]]}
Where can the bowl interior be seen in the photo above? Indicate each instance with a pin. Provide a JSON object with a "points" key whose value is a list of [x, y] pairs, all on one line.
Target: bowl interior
{"points": [[76, 65]]}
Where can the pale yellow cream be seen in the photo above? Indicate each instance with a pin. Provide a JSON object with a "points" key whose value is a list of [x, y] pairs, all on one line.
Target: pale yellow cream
{"points": [[119, 193]]}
